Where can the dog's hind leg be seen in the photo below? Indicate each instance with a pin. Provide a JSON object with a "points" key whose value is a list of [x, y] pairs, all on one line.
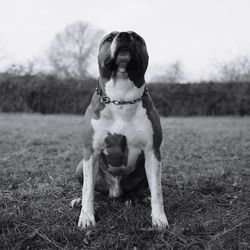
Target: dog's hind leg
{"points": [[79, 172], [75, 202], [79, 175]]}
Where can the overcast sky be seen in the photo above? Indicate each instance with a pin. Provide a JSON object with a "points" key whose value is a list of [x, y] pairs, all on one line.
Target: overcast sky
{"points": [[197, 32]]}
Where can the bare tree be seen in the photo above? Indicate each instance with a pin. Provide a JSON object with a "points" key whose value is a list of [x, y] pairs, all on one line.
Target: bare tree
{"points": [[172, 73], [72, 50], [235, 70]]}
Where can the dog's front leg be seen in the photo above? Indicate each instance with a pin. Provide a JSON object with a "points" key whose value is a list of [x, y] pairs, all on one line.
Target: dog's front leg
{"points": [[153, 172], [90, 168]]}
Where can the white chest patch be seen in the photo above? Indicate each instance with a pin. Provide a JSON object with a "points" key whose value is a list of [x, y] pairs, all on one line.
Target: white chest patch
{"points": [[123, 89], [130, 121]]}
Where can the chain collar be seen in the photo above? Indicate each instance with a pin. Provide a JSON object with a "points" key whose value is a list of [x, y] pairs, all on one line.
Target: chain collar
{"points": [[107, 100]]}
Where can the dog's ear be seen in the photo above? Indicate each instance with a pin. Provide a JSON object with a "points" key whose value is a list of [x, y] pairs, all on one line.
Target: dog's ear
{"points": [[136, 70], [106, 67]]}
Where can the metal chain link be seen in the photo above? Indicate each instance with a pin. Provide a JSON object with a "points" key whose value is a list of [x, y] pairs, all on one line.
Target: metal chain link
{"points": [[107, 100]]}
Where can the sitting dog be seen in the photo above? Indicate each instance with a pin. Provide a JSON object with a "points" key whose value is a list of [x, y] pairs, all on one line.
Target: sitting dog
{"points": [[122, 130]]}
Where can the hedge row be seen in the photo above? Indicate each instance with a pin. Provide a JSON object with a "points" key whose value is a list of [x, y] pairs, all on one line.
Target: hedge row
{"points": [[47, 94], [202, 99], [44, 94]]}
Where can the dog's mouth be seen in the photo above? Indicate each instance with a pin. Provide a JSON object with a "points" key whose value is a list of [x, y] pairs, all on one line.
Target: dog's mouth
{"points": [[122, 57], [123, 60]]}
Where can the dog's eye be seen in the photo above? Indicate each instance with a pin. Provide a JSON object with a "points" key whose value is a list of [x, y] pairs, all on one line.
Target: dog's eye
{"points": [[109, 39], [137, 38]]}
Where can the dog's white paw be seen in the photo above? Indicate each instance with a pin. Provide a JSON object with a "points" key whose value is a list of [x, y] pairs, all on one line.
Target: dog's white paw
{"points": [[75, 202], [160, 221], [86, 220], [128, 203]]}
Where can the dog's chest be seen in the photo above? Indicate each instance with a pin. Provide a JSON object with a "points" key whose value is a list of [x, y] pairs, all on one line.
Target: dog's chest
{"points": [[129, 121], [133, 124], [122, 139]]}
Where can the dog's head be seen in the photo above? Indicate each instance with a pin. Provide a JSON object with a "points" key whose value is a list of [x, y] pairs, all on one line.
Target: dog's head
{"points": [[123, 54]]}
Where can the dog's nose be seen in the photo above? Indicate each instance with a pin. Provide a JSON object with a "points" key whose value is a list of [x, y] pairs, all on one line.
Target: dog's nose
{"points": [[125, 36]]}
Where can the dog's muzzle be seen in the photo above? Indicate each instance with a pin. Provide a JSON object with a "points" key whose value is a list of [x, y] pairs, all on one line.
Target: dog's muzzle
{"points": [[122, 47]]}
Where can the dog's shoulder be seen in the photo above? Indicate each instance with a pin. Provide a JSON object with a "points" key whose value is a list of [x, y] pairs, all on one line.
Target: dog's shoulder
{"points": [[155, 121], [93, 111]]}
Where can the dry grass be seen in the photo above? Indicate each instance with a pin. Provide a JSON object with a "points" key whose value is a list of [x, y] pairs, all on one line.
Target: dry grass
{"points": [[206, 183]]}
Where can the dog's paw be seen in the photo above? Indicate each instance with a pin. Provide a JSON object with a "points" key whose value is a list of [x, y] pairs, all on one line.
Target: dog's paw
{"points": [[160, 221], [86, 220], [128, 203], [75, 202]]}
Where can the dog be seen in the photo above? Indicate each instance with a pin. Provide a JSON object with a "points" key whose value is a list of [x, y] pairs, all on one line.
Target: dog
{"points": [[122, 132]]}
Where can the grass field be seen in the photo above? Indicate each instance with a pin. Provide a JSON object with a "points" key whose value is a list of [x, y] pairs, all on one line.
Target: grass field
{"points": [[206, 184]]}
